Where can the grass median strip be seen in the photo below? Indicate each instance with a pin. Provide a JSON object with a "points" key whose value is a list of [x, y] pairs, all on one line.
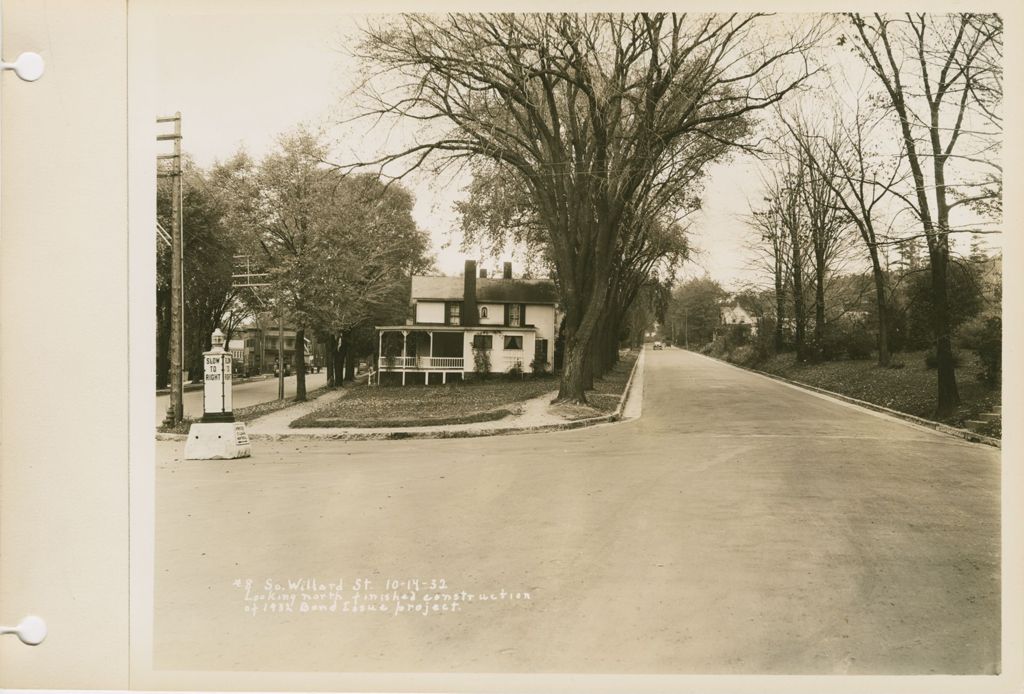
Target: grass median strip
{"points": [[416, 405]]}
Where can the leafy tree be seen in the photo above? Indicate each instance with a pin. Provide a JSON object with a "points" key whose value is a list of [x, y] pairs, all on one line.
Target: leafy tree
{"points": [[339, 249], [695, 309]]}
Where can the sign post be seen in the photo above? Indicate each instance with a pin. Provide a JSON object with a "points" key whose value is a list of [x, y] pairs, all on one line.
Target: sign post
{"points": [[217, 436]]}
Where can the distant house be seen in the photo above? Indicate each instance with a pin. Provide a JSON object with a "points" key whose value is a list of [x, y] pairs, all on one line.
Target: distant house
{"points": [[511, 321], [734, 314], [255, 348]]}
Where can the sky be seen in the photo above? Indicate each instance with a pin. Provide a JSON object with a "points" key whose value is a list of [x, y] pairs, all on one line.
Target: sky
{"points": [[242, 77]]}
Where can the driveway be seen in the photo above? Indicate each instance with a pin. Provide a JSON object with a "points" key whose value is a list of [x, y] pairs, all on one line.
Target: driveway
{"points": [[740, 526]]}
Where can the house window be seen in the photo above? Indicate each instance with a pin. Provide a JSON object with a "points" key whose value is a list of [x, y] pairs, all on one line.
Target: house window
{"points": [[513, 342], [483, 311], [483, 341], [514, 315], [454, 316]]}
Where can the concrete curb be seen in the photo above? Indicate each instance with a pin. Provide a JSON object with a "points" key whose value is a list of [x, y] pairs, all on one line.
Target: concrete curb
{"points": [[411, 433], [965, 434]]}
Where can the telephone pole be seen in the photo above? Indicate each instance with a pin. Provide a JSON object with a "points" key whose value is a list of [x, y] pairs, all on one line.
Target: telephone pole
{"points": [[175, 412]]}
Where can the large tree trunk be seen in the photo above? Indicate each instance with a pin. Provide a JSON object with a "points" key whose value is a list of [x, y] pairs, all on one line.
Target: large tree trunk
{"points": [[780, 308], [612, 346], [330, 359], [300, 365], [350, 363], [798, 302], [572, 387], [819, 304], [883, 309], [948, 395]]}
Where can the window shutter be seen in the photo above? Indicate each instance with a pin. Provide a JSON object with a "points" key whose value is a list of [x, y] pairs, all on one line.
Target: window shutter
{"points": [[522, 314], [506, 313]]}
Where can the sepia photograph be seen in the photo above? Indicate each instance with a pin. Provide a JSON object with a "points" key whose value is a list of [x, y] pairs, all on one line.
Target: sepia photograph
{"points": [[609, 343]]}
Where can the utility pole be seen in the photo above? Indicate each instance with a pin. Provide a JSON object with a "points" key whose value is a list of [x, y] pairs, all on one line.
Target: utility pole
{"points": [[686, 328], [175, 412]]}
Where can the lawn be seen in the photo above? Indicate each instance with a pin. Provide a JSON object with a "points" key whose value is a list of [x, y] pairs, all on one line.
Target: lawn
{"points": [[416, 405], [910, 389]]}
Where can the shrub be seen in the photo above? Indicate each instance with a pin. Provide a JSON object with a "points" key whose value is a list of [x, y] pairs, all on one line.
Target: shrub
{"points": [[539, 365], [515, 371], [859, 344], [764, 342], [989, 346], [972, 333], [852, 339], [482, 363], [735, 334], [931, 359], [718, 347], [744, 355]]}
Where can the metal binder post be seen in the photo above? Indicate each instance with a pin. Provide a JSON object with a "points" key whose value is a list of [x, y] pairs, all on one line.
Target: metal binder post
{"points": [[31, 631]]}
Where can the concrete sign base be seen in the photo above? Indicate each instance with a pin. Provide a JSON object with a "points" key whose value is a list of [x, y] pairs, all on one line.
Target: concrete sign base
{"points": [[217, 441]]}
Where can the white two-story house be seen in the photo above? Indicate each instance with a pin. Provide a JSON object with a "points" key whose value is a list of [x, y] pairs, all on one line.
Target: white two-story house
{"points": [[511, 321]]}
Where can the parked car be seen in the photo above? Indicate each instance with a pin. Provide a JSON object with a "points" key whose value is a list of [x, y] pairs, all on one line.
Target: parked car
{"points": [[657, 345]]}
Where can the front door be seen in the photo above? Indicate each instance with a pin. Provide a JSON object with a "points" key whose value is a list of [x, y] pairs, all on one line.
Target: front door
{"points": [[541, 350]]}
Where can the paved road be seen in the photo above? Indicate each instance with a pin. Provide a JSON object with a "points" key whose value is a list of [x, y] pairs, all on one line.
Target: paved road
{"points": [[243, 395], [739, 526]]}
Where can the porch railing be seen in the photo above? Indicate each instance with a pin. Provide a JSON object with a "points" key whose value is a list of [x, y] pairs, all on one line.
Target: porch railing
{"points": [[386, 364], [405, 363], [442, 362]]}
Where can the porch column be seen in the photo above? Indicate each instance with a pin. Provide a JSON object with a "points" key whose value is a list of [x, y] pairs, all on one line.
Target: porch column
{"points": [[405, 335], [380, 353], [430, 355]]}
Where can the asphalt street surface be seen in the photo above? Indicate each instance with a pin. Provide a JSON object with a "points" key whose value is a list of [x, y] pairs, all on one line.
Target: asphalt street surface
{"points": [[740, 526], [243, 394]]}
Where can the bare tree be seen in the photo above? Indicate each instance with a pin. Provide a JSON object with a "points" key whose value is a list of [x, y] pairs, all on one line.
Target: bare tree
{"points": [[772, 254], [825, 218], [932, 69], [582, 108], [861, 183]]}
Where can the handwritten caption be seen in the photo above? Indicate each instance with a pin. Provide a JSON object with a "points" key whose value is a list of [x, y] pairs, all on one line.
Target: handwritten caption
{"points": [[391, 597]]}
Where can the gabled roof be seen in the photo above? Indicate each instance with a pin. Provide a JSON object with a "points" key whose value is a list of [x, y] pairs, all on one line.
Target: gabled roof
{"points": [[487, 289]]}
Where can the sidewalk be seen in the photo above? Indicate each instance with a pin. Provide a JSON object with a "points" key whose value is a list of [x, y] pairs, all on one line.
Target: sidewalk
{"points": [[534, 416], [187, 387]]}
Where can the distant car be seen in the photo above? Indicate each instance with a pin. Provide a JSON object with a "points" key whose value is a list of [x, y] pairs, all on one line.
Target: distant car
{"points": [[657, 345]]}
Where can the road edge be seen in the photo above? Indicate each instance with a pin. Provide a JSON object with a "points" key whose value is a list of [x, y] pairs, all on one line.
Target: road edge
{"points": [[965, 434]]}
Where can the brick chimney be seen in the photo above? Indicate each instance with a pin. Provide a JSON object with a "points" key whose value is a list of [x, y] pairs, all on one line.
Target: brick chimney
{"points": [[507, 274], [483, 273], [469, 316]]}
